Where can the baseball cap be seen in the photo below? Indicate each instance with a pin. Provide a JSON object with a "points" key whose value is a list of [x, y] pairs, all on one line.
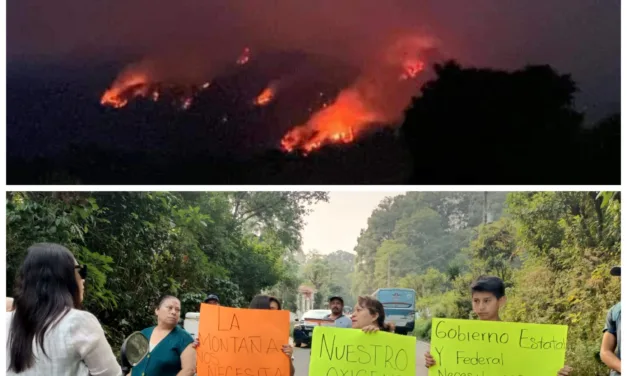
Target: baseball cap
{"points": [[615, 271], [211, 297], [336, 297]]}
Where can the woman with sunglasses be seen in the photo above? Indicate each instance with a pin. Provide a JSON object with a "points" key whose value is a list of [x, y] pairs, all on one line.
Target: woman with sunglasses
{"points": [[48, 334]]}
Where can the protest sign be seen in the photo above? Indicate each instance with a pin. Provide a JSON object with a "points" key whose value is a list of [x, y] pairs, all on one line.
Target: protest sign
{"points": [[351, 352], [242, 342], [496, 348]]}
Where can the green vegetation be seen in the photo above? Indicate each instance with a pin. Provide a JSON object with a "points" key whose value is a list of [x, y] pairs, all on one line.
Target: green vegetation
{"points": [[139, 246], [330, 275], [553, 250]]}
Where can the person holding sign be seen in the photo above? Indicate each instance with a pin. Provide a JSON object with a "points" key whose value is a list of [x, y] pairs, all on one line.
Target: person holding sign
{"points": [[339, 352], [488, 297], [336, 303], [610, 346], [170, 352], [212, 299], [272, 303], [369, 316]]}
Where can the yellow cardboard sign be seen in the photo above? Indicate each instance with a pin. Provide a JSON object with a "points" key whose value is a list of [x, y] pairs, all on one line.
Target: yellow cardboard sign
{"points": [[496, 348], [351, 352]]}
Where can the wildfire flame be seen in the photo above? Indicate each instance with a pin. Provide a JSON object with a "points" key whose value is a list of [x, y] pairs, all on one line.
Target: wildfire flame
{"points": [[366, 104], [129, 86], [186, 103], [337, 123], [244, 57], [265, 97], [412, 67]]}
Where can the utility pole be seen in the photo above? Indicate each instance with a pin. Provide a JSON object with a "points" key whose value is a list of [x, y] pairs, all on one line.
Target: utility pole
{"points": [[485, 208], [389, 258]]}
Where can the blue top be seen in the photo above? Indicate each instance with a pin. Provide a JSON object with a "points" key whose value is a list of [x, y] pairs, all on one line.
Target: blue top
{"points": [[165, 357], [612, 326]]}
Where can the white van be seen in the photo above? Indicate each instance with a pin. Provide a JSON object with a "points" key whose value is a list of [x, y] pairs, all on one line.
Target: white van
{"points": [[191, 323]]}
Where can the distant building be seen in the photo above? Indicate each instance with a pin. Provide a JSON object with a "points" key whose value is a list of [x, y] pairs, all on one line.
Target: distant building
{"points": [[305, 300]]}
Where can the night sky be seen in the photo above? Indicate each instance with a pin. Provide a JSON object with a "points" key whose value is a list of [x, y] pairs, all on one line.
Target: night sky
{"points": [[581, 37]]}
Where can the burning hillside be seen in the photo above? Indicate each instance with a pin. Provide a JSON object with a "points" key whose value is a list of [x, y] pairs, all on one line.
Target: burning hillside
{"points": [[181, 96], [267, 95], [150, 79], [376, 97]]}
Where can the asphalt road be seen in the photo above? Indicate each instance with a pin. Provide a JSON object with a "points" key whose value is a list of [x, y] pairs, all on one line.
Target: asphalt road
{"points": [[301, 360]]}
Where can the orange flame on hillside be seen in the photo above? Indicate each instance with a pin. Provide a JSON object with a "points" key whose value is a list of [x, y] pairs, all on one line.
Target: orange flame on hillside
{"points": [[125, 88], [338, 123], [266, 96], [376, 98], [412, 67]]}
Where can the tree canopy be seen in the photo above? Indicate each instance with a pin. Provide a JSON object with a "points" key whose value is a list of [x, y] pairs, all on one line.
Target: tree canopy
{"points": [[186, 244], [553, 250], [505, 127]]}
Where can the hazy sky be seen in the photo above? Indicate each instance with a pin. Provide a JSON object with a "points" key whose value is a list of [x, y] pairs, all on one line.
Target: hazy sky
{"points": [[581, 37], [336, 225]]}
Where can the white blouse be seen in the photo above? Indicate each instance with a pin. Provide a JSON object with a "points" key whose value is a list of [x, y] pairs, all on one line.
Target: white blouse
{"points": [[75, 346]]}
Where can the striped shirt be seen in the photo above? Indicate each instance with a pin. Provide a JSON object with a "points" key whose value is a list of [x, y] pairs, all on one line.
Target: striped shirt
{"points": [[75, 346]]}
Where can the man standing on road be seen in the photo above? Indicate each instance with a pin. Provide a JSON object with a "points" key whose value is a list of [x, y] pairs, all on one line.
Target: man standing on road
{"points": [[610, 345], [336, 304]]}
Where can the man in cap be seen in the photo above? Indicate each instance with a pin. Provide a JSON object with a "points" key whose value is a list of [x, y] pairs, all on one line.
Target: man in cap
{"points": [[212, 299], [336, 303], [610, 346]]}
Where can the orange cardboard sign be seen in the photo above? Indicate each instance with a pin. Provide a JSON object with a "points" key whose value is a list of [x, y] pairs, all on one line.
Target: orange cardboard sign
{"points": [[242, 342]]}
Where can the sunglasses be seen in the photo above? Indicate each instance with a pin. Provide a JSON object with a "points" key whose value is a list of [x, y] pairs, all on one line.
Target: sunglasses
{"points": [[82, 270]]}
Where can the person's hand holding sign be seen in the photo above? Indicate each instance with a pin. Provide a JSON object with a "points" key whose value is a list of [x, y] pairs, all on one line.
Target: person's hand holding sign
{"points": [[565, 371], [370, 329], [288, 350], [429, 361]]}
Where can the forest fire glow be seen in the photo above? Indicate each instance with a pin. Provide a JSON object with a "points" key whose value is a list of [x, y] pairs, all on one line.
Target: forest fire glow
{"points": [[356, 109], [412, 68], [376, 98], [338, 123], [124, 89], [265, 97], [244, 57]]}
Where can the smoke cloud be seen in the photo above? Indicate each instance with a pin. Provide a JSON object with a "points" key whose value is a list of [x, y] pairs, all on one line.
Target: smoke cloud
{"points": [[576, 36]]}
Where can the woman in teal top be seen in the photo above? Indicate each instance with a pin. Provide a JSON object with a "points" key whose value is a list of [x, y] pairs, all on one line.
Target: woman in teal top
{"points": [[171, 352]]}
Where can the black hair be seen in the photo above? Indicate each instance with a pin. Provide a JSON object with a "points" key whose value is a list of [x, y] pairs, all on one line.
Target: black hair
{"points": [[375, 307], [260, 302], [491, 284], [263, 302], [46, 290], [276, 300], [164, 298]]}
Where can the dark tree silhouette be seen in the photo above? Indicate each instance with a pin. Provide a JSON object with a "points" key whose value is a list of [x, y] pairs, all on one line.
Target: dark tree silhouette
{"points": [[468, 126], [485, 126]]}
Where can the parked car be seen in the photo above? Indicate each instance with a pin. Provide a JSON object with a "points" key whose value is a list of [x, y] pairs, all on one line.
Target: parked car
{"points": [[303, 331]]}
